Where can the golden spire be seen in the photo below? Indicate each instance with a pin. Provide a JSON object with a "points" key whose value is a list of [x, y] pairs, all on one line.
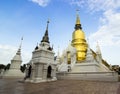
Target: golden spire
{"points": [[78, 19], [77, 25], [79, 41]]}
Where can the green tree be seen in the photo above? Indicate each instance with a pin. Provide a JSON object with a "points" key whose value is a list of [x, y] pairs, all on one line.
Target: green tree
{"points": [[2, 66], [22, 68], [7, 66]]}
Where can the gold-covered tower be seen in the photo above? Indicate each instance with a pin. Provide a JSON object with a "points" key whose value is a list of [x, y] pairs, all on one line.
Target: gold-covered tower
{"points": [[78, 41]]}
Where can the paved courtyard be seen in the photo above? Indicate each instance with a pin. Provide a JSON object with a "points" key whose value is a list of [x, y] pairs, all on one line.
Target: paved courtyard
{"points": [[15, 86]]}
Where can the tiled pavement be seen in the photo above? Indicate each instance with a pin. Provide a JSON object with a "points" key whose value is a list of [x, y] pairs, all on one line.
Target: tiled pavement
{"points": [[15, 86]]}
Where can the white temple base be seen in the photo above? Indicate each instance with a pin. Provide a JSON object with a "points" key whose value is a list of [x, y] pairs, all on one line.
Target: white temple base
{"points": [[94, 76], [88, 71], [13, 73], [38, 80], [87, 67]]}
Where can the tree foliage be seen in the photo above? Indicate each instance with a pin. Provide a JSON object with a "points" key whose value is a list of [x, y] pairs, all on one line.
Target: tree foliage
{"points": [[2, 66], [7, 66], [22, 68]]}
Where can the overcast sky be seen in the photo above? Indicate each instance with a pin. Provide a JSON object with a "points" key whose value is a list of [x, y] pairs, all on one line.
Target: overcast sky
{"points": [[100, 21]]}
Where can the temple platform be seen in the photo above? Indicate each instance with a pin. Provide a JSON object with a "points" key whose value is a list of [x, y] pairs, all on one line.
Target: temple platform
{"points": [[90, 76]]}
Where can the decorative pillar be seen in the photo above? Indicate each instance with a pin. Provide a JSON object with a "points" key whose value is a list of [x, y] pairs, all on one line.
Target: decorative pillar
{"points": [[38, 72]]}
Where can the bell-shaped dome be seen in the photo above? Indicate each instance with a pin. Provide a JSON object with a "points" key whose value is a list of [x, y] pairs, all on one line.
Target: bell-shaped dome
{"points": [[78, 34]]}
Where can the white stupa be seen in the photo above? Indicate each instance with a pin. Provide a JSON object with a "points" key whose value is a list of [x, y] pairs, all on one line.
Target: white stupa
{"points": [[14, 71]]}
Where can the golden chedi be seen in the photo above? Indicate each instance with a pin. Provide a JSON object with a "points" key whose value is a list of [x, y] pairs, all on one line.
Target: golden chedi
{"points": [[78, 41]]}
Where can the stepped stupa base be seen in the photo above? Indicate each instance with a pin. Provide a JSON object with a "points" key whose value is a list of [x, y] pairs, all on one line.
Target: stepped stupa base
{"points": [[13, 73]]}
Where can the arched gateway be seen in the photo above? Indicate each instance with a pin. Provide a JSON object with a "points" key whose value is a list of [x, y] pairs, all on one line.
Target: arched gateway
{"points": [[49, 70]]}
